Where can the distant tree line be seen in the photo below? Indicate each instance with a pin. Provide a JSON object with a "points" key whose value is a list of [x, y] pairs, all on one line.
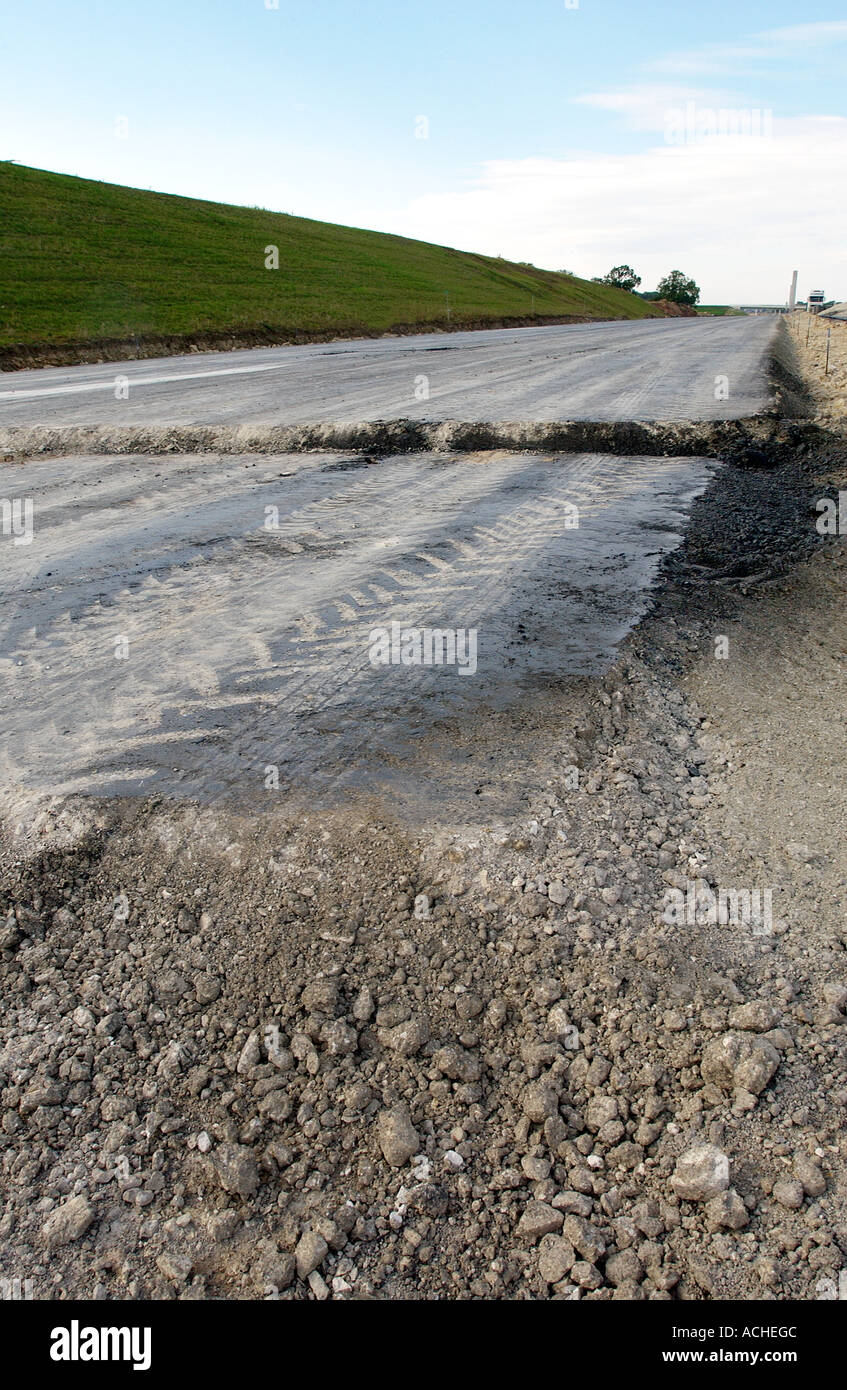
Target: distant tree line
{"points": [[677, 287]]}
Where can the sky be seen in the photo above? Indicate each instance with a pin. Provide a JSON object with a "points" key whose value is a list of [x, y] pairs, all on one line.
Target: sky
{"points": [[575, 134]]}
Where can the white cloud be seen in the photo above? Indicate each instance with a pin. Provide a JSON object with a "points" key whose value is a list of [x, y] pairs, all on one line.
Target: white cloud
{"points": [[737, 215], [646, 106], [823, 32], [767, 46], [737, 212]]}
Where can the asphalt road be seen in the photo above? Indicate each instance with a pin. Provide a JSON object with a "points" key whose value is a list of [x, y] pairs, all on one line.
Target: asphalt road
{"points": [[664, 369], [185, 624]]}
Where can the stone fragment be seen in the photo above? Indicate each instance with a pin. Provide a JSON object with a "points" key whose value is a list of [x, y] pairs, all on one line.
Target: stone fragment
{"points": [[236, 1169], [701, 1173], [726, 1212], [624, 1267], [539, 1101], [538, 1219], [740, 1061], [790, 1193], [251, 1054], [407, 1038], [555, 1257], [458, 1064], [757, 1017], [68, 1222], [310, 1253], [398, 1138], [176, 1268], [584, 1238], [809, 1174]]}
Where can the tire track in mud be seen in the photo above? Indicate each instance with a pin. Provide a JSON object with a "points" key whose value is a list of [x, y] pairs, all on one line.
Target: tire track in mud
{"points": [[101, 622], [235, 665]]}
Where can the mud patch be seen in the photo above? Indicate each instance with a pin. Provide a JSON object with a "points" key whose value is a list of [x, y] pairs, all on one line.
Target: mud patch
{"points": [[213, 637]]}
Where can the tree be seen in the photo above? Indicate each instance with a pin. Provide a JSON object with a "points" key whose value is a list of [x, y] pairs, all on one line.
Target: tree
{"points": [[678, 288], [622, 277]]}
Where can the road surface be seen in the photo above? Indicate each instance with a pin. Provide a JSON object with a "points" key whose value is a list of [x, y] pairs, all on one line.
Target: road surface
{"points": [[204, 626], [663, 369]]}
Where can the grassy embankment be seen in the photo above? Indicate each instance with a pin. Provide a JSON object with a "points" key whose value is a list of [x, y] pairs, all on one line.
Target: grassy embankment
{"points": [[93, 270]]}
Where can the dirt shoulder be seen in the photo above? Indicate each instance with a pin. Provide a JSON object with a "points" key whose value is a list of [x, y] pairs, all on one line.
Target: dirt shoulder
{"points": [[827, 385]]}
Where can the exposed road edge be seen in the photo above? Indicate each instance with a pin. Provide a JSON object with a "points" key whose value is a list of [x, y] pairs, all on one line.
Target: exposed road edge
{"points": [[787, 420], [705, 438]]}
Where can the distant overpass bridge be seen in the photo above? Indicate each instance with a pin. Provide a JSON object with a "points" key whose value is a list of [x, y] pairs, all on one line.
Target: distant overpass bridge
{"points": [[761, 308], [820, 308]]}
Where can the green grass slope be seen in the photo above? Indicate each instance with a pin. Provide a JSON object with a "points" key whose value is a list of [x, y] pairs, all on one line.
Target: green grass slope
{"points": [[93, 263]]}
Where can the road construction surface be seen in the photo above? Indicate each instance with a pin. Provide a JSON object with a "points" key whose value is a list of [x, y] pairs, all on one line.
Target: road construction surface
{"points": [[207, 625], [663, 369]]}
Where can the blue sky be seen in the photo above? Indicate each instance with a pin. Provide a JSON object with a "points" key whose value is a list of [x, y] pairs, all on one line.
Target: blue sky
{"points": [[548, 127]]}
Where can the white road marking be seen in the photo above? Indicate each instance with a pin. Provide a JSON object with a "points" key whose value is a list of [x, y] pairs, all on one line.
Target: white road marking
{"points": [[109, 383]]}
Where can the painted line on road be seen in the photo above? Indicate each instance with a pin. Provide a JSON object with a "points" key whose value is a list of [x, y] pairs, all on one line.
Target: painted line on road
{"points": [[108, 385]]}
